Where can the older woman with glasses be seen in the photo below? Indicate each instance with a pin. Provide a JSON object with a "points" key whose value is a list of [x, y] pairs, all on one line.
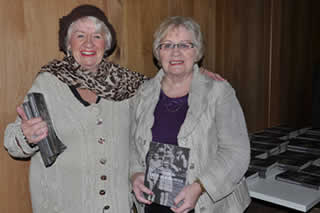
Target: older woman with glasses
{"points": [[181, 106]]}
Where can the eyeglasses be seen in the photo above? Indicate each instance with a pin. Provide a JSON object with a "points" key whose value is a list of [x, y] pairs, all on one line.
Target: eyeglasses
{"points": [[181, 46]]}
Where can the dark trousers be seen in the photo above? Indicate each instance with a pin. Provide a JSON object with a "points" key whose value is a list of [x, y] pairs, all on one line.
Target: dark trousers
{"points": [[156, 208]]}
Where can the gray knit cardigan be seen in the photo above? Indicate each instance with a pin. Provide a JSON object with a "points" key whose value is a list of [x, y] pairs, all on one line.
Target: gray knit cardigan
{"points": [[91, 175]]}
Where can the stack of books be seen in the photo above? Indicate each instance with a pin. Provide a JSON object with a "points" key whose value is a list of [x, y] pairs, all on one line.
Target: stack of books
{"points": [[292, 150], [269, 134], [270, 149], [304, 145], [309, 136], [292, 160], [263, 166], [284, 129], [281, 144], [299, 178]]}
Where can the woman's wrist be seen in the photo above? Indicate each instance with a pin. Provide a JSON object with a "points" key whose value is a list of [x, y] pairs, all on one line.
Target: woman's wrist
{"points": [[197, 181], [135, 175]]}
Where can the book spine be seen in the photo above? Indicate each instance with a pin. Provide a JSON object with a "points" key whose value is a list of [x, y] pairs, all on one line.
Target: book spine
{"points": [[44, 145], [27, 110]]}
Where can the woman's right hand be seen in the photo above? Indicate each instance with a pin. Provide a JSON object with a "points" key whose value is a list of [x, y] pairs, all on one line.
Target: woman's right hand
{"points": [[139, 188], [34, 129]]}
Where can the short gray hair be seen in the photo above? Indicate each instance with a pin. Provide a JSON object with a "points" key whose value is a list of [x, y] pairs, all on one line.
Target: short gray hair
{"points": [[175, 22], [100, 27]]}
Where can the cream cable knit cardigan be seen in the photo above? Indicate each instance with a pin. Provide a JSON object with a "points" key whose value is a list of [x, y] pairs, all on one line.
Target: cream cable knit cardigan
{"points": [[91, 175]]}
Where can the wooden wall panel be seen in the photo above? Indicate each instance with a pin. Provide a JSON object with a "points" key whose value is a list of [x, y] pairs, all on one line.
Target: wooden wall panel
{"points": [[242, 51], [278, 97], [14, 183], [206, 15], [295, 60], [315, 33]]}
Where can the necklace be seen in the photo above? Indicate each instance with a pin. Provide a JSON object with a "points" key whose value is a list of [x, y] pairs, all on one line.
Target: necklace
{"points": [[173, 104]]}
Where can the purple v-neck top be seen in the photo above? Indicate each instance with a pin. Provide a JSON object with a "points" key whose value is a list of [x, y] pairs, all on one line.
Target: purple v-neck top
{"points": [[169, 115]]}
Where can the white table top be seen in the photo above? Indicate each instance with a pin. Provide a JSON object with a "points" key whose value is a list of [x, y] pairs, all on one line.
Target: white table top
{"points": [[285, 194]]}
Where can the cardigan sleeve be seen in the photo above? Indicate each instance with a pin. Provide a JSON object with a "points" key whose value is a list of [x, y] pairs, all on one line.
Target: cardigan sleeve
{"points": [[136, 165], [16, 143], [14, 140], [226, 168]]}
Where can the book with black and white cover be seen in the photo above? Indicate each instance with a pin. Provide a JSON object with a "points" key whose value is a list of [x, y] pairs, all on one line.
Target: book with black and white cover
{"points": [[275, 141], [308, 136], [251, 173], [313, 131], [284, 129], [311, 170], [259, 154], [304, 145], [271, 149], [263, 165], [51, 146], [298, 155], [267, 134], [293, 164], [292, 160], [295, 177], [166, 172]]}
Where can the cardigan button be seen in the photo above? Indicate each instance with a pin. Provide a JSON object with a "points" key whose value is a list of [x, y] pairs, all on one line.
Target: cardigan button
{"points": [[202, 209], [103, 177], [99, 121], [107, 207], [101, 140], [102, 192], [192, 166], [103, 161]]}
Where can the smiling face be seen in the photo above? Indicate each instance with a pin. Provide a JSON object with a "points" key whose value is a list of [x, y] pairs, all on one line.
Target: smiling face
{"points": [[177, 61], [87, 44]]}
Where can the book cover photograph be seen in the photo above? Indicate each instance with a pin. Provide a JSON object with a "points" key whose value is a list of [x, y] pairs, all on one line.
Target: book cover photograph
{"points": [[166, 172]]}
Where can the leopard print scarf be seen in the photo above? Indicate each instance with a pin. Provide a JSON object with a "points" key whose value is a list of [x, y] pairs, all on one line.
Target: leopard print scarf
{"points": [[111, 81]]}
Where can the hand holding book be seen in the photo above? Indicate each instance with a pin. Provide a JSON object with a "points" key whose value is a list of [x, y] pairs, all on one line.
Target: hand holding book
{"points": [[139, 188], [188, 197], [50, 145], [34, 129]]}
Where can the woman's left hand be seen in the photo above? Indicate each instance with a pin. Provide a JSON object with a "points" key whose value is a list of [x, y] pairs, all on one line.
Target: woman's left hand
{"points": [[214, 76], [189, 196]]}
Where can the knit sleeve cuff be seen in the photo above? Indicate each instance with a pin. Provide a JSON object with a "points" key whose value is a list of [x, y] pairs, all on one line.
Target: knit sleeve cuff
{"points": [[23, 144]]}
